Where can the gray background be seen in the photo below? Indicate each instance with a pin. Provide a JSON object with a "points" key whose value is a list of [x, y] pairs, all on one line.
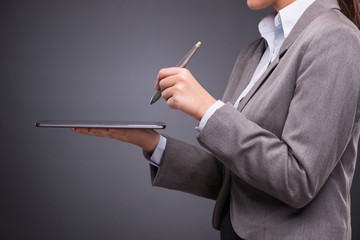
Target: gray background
{"points": [[98, 60]]}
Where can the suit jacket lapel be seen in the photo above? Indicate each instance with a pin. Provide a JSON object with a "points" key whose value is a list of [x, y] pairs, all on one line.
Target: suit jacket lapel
{"points": [[257, 85], [309, 15], [245, 78]]}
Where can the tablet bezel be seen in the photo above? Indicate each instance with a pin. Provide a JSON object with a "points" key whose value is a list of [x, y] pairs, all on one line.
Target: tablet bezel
{"points": [[99, 124]]}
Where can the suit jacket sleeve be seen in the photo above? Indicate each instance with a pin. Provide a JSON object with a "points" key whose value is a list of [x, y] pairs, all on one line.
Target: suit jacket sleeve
{"points": [[321, 119], [188, 169]]}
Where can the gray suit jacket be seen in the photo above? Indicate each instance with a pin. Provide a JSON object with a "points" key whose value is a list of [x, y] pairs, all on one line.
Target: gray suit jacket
{"points": [[286, 157]]}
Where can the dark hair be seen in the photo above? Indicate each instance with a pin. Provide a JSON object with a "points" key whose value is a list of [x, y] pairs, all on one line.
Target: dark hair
{"points": [[351, 9]]}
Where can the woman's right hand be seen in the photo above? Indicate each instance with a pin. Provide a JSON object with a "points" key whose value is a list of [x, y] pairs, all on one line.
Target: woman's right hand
{"points": [[147, 139]]}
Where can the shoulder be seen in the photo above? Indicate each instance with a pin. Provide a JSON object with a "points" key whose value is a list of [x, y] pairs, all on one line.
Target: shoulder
{"points": [[331, 34], [333, 26], [331, 45]]}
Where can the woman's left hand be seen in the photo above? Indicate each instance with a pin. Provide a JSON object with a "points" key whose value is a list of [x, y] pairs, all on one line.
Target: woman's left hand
{"points": [[147, 139], [181, 91]]}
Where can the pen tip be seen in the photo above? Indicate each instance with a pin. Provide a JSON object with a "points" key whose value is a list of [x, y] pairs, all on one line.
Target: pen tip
{"points": [[198, 44], [152, 101]]}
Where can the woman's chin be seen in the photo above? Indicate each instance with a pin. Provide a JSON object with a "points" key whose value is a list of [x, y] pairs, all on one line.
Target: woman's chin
{"points": [[254, 5]]}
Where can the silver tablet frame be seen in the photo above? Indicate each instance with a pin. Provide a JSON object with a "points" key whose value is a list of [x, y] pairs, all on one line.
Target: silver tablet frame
{"points": [[99, 124]]}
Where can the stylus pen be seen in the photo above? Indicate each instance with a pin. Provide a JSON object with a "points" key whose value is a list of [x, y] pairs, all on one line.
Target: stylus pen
{"points": [[181, 64]]}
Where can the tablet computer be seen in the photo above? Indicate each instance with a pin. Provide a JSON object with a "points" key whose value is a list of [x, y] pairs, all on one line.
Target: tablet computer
{"points": [[98, 124]]}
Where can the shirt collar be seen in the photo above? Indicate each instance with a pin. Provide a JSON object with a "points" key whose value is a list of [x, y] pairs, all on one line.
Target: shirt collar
{"points": [[288, 15], [292, 13], [267, 29]]}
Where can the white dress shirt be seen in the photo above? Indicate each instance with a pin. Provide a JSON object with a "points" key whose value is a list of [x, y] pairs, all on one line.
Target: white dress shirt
{"points": [[274, 28]]}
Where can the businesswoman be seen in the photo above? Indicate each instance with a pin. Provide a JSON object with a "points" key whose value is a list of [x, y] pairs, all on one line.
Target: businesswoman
{"points": [[282, 143]]}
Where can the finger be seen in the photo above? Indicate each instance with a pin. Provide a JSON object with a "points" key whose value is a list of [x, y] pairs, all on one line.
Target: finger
{"points": [[99, 132], [172, 97], [173, 102], [166, 72], [161, 75], [168, 82], [166, 94], [157, 86], [81, 130], [118, 133]]}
